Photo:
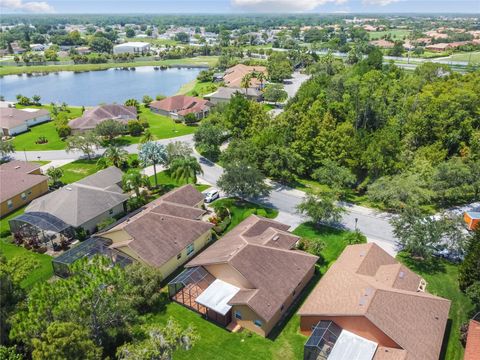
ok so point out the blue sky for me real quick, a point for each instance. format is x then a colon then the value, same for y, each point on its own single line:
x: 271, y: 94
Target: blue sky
x: 239, y: 6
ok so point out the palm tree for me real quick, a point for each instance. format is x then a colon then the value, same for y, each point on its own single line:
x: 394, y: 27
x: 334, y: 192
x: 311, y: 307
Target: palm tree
x: 260, y: 76
x: 115, y: 156
x: 152, y: 153
x: 133, y: 180
x: 246, y: 82
x: 185, y: 169
x: 147, y: 136
x: 55, y: 174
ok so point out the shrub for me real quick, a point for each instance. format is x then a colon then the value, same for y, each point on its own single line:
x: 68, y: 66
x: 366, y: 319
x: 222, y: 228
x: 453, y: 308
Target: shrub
x: 64, y: 131
x: 135, y: 128
x: 105, y: 223
x: 144, y: 123
x: 134, y: 163
x: 261, y: 212
x: 190, y: 119
x: 41, y: 140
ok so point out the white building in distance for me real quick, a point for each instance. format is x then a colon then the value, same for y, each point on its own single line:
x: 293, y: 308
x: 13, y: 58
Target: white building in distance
x: 132, y: 48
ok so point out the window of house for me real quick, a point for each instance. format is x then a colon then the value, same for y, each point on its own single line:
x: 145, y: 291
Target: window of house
x: 29, y: 192
x: 238, y: 315
x: 258, y: 323
x: 190, y: 249
x: 282, y: 307
x: 10, y: 204
x: 179, y: 256
x: 294, y: 292
x: 110, y: 211
x: 24, y: 196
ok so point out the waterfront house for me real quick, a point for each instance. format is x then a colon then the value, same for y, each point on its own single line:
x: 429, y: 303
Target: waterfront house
x: 92, y: 117
x: 178, y: 106
x: 137, y: 48
x: 16, y: 121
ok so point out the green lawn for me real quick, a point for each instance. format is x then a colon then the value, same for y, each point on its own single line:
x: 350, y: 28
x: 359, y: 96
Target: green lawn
x: 168, y: 183
x: 240, y: 210
x: 442, y: 280
x: 196, y: 88
x: 285, y: 343
x: 472, y: 57
x: 77, y: 170
x: 26, y: 141
x: 4, y: 227
x: 42, y: 273
x: 397, y: 34
x: 206, y: 61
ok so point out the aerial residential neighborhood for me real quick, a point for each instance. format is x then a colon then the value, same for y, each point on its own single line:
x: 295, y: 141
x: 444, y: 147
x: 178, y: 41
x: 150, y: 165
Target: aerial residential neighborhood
x: 236, y: 179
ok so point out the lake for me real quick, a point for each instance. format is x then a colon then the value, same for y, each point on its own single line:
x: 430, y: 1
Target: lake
x: 95, y: 87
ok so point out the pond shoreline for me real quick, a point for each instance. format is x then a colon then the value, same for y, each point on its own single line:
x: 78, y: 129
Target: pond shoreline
x: 198, y: 62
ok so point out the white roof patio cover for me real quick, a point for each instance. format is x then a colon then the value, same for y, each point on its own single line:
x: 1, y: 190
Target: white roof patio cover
x: 352, y: 347
x: 217, y: 296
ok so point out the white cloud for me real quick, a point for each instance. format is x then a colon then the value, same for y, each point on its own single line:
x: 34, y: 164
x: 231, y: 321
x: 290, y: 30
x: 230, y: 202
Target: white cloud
x: 379, y: 2
x: 29, y: 6
x: 282, y: 5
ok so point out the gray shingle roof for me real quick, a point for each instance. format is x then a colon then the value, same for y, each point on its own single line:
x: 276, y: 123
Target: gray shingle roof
x: 84, y: 200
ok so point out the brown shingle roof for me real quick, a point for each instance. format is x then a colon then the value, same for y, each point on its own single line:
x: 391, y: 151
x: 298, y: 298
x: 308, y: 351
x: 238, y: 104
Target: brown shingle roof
x: 92, y: 117
x: 12, y: 117
x: 366, y: 281
x: 165, y: 227
x: 185, y: 195
x: 273, y: 271
x: 387, y: 353
x: 14, y: 181
x: 472, y: 349
x: 25, y: 167
x: 181, y: 104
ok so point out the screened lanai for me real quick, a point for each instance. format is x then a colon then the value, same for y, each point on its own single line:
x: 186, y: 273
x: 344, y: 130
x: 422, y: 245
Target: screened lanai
x: 88, y: 248
x: 44, y: 227
x: 188, y: 285
x: 330, y: 341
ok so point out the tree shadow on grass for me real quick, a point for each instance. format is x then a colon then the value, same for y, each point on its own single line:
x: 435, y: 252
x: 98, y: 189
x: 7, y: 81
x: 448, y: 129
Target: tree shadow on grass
x: 430, y: 266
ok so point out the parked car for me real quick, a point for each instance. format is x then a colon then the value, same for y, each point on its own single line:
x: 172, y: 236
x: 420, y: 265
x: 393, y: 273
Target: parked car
x: 212, y: 195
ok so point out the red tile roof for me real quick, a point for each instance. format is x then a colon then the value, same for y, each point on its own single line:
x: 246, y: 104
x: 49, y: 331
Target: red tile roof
x: 472, y: 349
x: 181, y: 104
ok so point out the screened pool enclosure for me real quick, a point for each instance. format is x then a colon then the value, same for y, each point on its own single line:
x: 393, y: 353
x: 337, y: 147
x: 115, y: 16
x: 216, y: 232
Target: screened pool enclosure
x: 88, y: 248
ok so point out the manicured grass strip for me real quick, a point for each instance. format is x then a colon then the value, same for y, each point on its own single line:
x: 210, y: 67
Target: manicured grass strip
x: 27, y: 141
x: 4, y: 227
x: 240, y: 210
x: 168, y: 183
x: 42, y: 273
x: 77, y: 170
x: 206, y: 61
x: 442, y: 280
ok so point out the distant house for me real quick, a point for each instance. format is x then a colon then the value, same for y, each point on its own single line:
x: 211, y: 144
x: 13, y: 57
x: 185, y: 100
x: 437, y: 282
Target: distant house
x: 92, y: 117
x: 178, y: 106
x: 370, y: 306
x: 37, y: 47
x: 472, y: 348
x: 384, y: 44
x: 166, y: 233
x: 21, y: 182
x: 233, y: 76
x: 446, y: 46
x: 15, y: 121
x: 139, y: 48
x: 223, y: 94
x: 249, y: 278
x: 83, y: 50
x: 83, y: 204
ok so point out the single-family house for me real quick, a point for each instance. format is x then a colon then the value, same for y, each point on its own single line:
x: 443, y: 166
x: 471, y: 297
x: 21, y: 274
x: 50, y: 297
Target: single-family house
x: 139, y: 48
x: 249, y: 278
x: 20, y: 183
x: 92, y: 117
x: 223, y: 95
x: 15, y: 121
x: 178, y: 106
x: 165, y: 233
x: 80, y: 205
x: 37, y: 47
x: 370, y: 306
x: 233, y: 76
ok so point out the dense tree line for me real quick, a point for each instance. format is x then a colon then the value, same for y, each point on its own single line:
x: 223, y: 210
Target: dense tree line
x: 404, y: 138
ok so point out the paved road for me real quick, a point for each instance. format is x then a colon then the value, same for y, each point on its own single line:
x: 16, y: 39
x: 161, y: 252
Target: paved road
x: 373, y: 224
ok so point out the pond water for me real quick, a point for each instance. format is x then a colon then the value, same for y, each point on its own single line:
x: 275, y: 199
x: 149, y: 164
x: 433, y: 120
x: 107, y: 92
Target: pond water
x: 95, y: 87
